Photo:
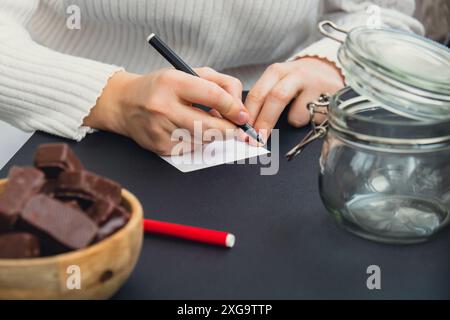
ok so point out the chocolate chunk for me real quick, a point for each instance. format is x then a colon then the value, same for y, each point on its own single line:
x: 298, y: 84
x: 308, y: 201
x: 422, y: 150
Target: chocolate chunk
x: 22, y: 184
x: 101, y: 211
x: 55, y: 158
x: 68, y: 226
x: 48, y: 245
x: 19, y: 245
x: 88, y: 186
x: 117, y: 220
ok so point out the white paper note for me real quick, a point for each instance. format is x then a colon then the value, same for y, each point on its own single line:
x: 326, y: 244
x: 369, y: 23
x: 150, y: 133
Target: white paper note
x: 215, y: 154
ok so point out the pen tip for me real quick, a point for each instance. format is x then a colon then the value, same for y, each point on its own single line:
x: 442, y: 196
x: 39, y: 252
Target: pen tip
x: 259, y: 139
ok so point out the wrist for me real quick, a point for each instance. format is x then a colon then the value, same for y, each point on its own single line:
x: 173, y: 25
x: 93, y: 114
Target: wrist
x: 108, y: 112
x: 330, y: 64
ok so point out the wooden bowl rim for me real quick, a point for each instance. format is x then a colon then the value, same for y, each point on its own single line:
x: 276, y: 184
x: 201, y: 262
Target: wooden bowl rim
x: 136, y: 218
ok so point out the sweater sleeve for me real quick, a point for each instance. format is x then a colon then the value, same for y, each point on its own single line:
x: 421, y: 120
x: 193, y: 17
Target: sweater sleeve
x: 349, y: 14
x: 42, y: 89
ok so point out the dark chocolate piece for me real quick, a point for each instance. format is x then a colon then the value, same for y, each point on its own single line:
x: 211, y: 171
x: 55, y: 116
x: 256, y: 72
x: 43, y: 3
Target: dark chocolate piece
x: 22, y: 184
x: 55, y: 158
x: 19, y: 245
x: 48, y: 245
x: 101, y: 211
x: 68, y: 226
x: 117, y: 220
x: 88, y: 186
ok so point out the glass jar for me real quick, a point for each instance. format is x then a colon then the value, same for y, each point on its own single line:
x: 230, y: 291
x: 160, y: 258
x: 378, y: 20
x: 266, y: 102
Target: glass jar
x: 385, y: 163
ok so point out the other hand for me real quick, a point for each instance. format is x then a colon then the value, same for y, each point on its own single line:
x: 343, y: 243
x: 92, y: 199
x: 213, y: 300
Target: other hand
x: 301, y: 81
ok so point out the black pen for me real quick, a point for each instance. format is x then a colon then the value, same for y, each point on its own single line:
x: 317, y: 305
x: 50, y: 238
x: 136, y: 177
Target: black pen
x: 180, y: 65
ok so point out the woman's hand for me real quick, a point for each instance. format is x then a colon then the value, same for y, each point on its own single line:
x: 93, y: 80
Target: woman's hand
x: 302, y: 80
x: 149, y: 108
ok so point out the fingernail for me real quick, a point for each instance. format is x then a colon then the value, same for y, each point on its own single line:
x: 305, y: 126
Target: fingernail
x: 243, y: 117
x: 264, y: 136
x: 255, y: 143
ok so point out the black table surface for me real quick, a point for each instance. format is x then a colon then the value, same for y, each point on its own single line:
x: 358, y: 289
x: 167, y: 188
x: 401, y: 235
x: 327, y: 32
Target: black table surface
x: 287, y: 245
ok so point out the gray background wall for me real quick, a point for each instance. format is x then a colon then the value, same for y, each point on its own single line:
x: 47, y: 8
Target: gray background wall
x: 435, y: 15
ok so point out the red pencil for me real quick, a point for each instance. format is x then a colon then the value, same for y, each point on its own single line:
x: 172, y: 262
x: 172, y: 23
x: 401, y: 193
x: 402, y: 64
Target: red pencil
x: 213, y: 237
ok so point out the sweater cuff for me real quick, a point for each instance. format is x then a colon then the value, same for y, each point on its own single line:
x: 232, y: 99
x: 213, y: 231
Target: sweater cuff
x: 325, y: 49
x: 41, y: 89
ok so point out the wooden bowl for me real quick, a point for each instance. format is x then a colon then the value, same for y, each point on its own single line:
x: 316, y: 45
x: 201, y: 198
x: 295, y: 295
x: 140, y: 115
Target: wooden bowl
x: 104, y: 267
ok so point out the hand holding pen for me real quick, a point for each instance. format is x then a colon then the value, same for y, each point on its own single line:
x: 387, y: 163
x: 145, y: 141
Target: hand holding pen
x: 148, y: 108
x: 179, y: 64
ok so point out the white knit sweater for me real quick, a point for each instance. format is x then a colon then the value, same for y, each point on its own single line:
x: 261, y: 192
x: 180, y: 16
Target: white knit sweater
x: 51, y: 75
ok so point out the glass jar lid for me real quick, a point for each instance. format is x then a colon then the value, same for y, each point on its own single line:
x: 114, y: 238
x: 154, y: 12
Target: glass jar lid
x: 408, y: 74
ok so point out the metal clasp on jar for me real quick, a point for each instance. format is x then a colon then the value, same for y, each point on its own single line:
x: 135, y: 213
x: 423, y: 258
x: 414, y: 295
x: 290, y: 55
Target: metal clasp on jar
x: 317, y: 131
x: 329, y: 24
x: 320, y: 106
